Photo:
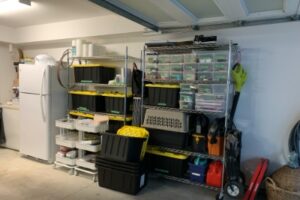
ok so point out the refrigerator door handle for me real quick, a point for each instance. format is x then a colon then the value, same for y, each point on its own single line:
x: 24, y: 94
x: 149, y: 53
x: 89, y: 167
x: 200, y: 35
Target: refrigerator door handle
x: 41, y: 96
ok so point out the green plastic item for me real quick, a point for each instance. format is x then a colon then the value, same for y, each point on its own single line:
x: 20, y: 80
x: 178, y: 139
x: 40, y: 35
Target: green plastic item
x: 239, y: 76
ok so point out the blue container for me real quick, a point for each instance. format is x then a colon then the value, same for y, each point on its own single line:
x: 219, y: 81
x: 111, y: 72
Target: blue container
x: 197, y: 172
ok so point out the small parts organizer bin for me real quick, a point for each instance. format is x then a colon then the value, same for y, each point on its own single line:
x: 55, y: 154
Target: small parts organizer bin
x: 79, y: 140
x: 198, y: 65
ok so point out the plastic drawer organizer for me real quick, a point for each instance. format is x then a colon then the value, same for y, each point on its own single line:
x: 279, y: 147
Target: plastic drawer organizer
x: 79, y: 140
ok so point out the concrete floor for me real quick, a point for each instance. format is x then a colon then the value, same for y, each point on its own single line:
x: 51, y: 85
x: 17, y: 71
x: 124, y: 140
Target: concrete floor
x: 25, y: 179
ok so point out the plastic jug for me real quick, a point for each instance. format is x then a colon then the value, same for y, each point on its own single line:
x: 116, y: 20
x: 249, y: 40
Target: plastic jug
x: 214, y: 174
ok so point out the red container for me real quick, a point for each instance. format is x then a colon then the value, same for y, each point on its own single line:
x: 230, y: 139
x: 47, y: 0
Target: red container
x: 214, y: 174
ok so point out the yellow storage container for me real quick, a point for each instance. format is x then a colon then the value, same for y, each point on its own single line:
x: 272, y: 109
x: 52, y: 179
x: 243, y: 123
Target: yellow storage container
x: 137, y: 132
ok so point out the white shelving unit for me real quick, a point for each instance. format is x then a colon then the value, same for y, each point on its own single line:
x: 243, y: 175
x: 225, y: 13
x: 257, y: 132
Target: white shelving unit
x: 79, y: 130
x: 67, y: 137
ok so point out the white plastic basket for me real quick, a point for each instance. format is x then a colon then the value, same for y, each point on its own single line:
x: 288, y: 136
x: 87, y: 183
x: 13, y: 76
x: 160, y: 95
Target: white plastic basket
x: 65, y: 160
x: 71, y: 143
x: 65, y: 123
x: 85, y: 164
x: 88, y: 125
x: 88, y: 147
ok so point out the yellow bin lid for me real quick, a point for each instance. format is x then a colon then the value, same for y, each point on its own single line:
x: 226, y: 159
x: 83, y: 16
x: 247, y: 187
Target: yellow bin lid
x: 170, y: 86
x: 156, y: 151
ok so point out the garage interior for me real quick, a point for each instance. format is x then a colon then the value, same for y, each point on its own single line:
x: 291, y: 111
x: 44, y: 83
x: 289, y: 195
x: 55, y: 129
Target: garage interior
x: 129, y: 99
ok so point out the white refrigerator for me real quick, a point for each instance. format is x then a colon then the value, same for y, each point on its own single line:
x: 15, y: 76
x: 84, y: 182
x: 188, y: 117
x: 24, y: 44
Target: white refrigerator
x: 42, y: 101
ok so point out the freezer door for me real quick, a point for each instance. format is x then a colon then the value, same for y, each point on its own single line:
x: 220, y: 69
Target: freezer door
x: 34, y: 126
x: 34, y: 79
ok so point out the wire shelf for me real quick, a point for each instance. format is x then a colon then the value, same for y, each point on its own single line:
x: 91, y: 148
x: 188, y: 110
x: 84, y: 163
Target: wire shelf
x: 183, y: 81
x: 98, y: 85
x: 172, y: 47
x: 189, y: 153
x: 91, y: 115
x: 185, y: 111
x: 186, y: 181
x: 106, y: 58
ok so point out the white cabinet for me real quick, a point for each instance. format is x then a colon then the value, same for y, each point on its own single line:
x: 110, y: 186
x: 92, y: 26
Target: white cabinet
x: 11, y: 121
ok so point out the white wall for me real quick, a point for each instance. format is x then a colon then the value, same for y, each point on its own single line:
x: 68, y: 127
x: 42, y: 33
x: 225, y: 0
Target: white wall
x: 7, y: 74
x: 270, y: 103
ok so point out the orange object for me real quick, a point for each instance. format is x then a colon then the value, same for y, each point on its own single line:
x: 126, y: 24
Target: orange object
x: 215, y: 149
x: 214, y: 174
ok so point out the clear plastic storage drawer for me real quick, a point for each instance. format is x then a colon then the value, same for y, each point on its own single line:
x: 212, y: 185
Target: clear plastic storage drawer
x: 204, y: 76
x: 220, y: 67
x: 163, y: 58
x: 151, y: 58
x: 176, y: 58
x: 212, y: 88
x: 190, y: 58
x: 163, y: 67
x: 205, y: 58
x: 189, y: 76
x: 205, y: 67
x: 163, y: 75
x: 187, y: 96
x: 177, y: 76
x: 221, y: 57
x: 176, y: 67
x: 190, y: 67
x: 220, y: 76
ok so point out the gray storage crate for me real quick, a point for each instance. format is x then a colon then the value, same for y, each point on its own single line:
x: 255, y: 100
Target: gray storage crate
x: 166, y: 120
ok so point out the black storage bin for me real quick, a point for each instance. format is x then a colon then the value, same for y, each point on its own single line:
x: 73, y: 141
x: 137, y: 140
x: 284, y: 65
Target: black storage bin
x: 84, y: 102
x: 163, y: 95
x: 121, y: 148
x: 168, y: 138
x: 121, y: 176
x: 114, y: 103
x: 94, y: 74
x: 167, y: 163
x: 115, y: 125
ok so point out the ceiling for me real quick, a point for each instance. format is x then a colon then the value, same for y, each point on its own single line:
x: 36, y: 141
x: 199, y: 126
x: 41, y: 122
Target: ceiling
x: 49, y: 11
x: 160, y: 13
x: 179, y: 13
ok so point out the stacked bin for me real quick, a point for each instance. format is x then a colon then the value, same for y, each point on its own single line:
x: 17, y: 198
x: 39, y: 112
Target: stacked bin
x: 93, y: 73
x: 90, y: 101
x: 166, y: 163
x: 120, y: 163
x: 114, y: 103
x: 163, y: 95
